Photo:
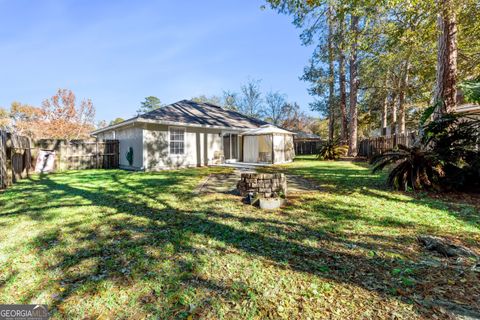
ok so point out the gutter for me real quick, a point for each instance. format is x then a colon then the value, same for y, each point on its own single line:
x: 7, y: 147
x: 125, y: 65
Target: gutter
x: 118, y: 125
x: 168, y: 123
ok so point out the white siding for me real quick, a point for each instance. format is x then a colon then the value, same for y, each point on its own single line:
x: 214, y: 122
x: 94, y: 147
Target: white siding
x: 130, y: 137
x: 156, y: 148
x: 109, y: 135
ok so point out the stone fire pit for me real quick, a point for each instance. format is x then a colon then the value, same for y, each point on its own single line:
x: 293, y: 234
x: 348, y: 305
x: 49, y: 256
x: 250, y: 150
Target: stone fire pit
x: 269, y: 188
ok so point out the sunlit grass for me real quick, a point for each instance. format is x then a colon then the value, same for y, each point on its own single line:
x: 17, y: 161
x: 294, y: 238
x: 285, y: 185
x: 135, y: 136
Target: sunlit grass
x: 117, y: 244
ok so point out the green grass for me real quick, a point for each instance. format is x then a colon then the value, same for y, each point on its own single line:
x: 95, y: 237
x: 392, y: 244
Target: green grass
x: 117, y: 244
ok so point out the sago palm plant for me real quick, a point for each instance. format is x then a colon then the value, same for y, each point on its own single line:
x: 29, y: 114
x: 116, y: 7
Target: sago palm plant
x: 331, y: 151
x: 413, y: 167
x: 446, y: 157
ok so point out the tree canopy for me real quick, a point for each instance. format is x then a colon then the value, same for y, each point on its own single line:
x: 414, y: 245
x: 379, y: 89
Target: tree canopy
x: 391, y: 51
x: 60, y: 117
x: 149, y: 104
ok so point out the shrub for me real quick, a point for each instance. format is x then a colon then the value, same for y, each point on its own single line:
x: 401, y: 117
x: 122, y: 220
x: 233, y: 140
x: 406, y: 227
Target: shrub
x: 446, y: 157
x: 331, y: 151
x: 415, y: 167
x: 129, y: 156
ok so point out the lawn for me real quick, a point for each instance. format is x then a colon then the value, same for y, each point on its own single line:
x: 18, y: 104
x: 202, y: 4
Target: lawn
x: 118, y: 244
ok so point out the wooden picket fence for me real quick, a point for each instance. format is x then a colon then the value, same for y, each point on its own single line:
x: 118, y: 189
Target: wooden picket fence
x: 373, y: 146
x: 18, y: 152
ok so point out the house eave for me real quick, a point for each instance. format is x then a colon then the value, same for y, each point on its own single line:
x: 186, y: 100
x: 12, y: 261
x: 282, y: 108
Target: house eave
x: 168, y: 123
x: 115, y: 126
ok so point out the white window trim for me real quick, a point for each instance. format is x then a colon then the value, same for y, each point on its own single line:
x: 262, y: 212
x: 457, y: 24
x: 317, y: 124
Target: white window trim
x: 184, y: 141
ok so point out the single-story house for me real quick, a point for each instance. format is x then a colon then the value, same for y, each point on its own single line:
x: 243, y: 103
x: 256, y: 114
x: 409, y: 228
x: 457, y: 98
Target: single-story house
x: 188, y: 133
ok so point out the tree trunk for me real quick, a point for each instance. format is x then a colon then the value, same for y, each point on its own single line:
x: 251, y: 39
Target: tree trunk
x: 331, y: 77
x: 445, y: 97
x: 401, y: 99
x: 393, y: 103
x: 384, y: 115
x: 343, y: 92
x: 352, y: 145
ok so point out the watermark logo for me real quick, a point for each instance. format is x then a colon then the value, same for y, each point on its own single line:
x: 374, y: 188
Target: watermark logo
x: 23, y: 312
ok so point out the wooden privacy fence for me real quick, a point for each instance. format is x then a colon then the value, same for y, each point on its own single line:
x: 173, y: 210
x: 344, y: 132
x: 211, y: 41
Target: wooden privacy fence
x: 15, y: 158
x: 373, y: 146
x: 17, y: 155
x: 77, y: 155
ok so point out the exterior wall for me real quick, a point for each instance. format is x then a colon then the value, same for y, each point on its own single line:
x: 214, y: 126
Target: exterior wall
x: 108, y: 135
x: 202, y: 147
x: 128, y: 137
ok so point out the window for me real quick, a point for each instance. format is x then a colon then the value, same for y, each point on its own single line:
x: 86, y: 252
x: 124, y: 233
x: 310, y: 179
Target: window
x: 177, y: 141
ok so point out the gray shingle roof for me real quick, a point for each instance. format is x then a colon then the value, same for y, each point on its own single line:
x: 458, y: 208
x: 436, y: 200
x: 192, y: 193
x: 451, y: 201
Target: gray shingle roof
x: 305, y: 135
x: 197, y: 113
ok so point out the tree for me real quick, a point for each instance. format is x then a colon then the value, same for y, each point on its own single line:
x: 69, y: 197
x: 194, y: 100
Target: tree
x: 319, y: 127
x: 27, y: 120
x: 215, y: 100
x: 275, y: 104
x: 230, y: 100
x: 63, y: 118
x: 445, y: 97
x: 116, y: 121
x: 352, y: 141
x: 471, y: 90
x: 294, y: 119
x: 102, y: 124
x: 394, y: 51
x: 149, y: 104
x: 250, y: 100
x: 331, y: 73
x: 5, y: 121
x: 342, y: 84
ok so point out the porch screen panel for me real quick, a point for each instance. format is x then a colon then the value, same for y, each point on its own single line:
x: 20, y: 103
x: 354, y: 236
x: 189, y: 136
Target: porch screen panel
x: 265, y: 148
x: 279, y: 147
x: 250, y: 149
x: 289, y: 148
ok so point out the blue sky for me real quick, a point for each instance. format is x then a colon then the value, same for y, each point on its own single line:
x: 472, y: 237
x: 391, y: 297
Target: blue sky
x: 118, y: 52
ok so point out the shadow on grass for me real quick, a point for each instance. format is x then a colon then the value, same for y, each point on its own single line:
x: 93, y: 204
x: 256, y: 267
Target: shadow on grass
x: 350, y: 178
x: 121, y: 250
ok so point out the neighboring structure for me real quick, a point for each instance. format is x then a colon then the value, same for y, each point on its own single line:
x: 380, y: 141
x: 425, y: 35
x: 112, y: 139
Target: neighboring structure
x: 468, y: 108
x: 188, y: 133
x: 306, y: 143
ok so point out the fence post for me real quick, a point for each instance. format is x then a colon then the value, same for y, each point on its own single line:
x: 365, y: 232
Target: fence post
x: 96, y: 153
x: 3, y: 160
